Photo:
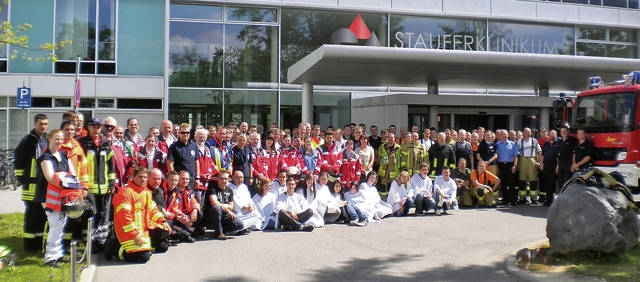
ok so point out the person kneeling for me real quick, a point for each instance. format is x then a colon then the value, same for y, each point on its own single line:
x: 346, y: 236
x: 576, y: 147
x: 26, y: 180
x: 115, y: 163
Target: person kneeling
x: 220, y: 215
x: 293, y: 210
x: 133, y: 211
x: 481, y: 189
x: 446, y: 189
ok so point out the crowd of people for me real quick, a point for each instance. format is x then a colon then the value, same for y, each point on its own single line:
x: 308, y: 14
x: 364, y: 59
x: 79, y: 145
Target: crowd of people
x: 175, y: 183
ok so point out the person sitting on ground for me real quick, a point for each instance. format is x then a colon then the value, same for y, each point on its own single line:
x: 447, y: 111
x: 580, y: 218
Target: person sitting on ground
x: 379, y: 208
x: 265, y: 203
x: 461, y: 175
x: 280, y: 185
x: 357, y: 198
x: 446, y: 189
x: 243, y: 205
x: 219, y: 211
x: 171, y: 208
x: 134, y: 210
x: 400, y: 196
x: 482, y: 181
x: 307, y: 189
x: 349, y: 213
x: 293, y: 210
x: 423, y: 190
x: 326, y: 203
x: 187, y: 204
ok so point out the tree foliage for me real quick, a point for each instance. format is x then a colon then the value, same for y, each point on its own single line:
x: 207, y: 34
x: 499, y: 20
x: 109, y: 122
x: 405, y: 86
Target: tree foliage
x: 16, y: 36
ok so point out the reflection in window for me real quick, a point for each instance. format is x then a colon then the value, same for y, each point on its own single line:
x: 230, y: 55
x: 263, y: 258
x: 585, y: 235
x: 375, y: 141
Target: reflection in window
x: 622, y: 35
x: 329, y: 108
x: 604, y: 42
x: 90, y: 34
x: 253, y: 107
x: 195, y: 106
x: 252, y: 14
x: 591, y: 49
x: 531, y: 38
x: 19, y: 121
x: 195, y: 54
x: 438, y: 33
x: 615, y: 3
x: 605, y: 113
x: 304, y: 31
x: 592, y: 33
x: 251, y: 57
x: 199, y: 12
x: 3, y: 47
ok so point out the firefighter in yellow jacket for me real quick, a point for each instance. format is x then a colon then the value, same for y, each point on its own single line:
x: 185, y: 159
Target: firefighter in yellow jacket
x: 411, y: 154
x: 135, y: 214
x: 387, y: 156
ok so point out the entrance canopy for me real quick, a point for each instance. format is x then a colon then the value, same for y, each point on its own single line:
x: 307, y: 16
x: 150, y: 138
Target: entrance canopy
x: 408, y: 67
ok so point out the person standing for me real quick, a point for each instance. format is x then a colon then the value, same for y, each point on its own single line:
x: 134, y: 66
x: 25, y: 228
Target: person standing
x: 375, y: 141
x: 549, y: 168
x: 102, y: 177
x: 507, y: 152
x: 462, y: 148
x: 183, y: 155
x: 242, y: 159
x: 441, y: 155
x: 411, y: 154
x: 388, y: 158
x: 566, y: 145
x: 131, y: 135
x: 529, y: 161
x: 487, y: 152
x: 583, y: 153
x: 25, y: 168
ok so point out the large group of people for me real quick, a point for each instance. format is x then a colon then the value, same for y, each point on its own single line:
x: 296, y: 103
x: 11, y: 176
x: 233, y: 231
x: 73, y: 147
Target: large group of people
x: 178, y: 183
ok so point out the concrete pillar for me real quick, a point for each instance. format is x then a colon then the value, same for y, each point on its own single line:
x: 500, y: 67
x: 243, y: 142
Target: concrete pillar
x: 307, y: 102
x: 490, y: 123
x: 432, y: 88
x: 512, y: 122
x: 544, y: 118
x: 452, y: 121
x: 543, y: 91
x: 433, y: 116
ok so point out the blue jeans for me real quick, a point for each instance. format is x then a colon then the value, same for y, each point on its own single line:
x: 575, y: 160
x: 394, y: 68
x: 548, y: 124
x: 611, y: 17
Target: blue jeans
x: 405, y: 208
x: 355, y: 213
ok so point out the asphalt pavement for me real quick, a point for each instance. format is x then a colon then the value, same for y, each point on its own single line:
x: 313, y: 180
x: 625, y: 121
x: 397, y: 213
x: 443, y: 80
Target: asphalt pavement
x: 10, y: 201
x: 468, y: 245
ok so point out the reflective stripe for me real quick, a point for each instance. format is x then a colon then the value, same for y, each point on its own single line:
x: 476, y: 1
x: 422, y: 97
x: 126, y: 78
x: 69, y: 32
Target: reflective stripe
x: 33, y: 168
x: 18, y: 172
x: 128, y: 228
x: 67, y: 236
x: 29, y: 193
x: 28, y: 235
x: 123, y: 206
x: 53, y: 193
x: 156, y: 216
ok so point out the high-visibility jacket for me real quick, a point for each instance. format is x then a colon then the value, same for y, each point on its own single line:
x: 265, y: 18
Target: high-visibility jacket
x: 271, y: 162
x: 388, y: 158
x: 439, y: 157
x: 331, y: 158
x: 221, y: 159
x: 133, y: 210
x: 185, y: 202
x: 25, y: 166
x: 410, y: 156
x: 289, y: 157
x: 101, y: 170
x: 316, y: 142
x: 76, y: 155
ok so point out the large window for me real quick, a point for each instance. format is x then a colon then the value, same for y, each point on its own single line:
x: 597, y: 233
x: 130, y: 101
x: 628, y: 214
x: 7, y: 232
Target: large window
x: 214, y: 46
x: 91, y: 27
x: 531, y: 38
x: 632, y: 4
x: 605, y: 42
x: 304, y: 31
x: 438, y: 33
x: 4, y: 16
x: 605, y: 112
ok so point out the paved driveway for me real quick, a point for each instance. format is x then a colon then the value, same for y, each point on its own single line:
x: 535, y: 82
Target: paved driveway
x: 469, y: 245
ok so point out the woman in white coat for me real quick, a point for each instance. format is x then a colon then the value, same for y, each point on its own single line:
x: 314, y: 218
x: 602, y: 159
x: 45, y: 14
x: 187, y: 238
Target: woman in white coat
x: 400, y: 196
x: 265, y: 203
x: 324, y: 198
x: 356, y: 198
x: 380, y: 208
x: 307, y: 190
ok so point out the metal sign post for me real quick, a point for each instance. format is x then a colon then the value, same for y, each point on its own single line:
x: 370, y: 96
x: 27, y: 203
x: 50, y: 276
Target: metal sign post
x: 76, y: 99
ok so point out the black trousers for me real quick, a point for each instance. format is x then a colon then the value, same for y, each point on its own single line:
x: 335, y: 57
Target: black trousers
x: 549, y: 178
x: 507, y: 185
x: 221, y: 221
x: 564, y: 173
x: 137, y: 257
x: 34, y: 220
x: 287, y: 222
x: 159, y: 240
x: 423, y: 204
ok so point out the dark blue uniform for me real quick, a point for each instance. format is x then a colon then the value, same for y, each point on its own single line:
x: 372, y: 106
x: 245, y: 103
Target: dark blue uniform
x: 184, y: 157
x: 550, y: 152
x: 565, y: 158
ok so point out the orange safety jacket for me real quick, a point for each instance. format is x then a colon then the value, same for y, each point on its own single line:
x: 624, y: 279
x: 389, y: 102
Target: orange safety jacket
x: 76, y: 155
x: 133, y: 210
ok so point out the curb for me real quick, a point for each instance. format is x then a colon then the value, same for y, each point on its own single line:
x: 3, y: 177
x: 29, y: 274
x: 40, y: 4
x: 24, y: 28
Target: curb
x: 89, y: 272
x: 520, y: 274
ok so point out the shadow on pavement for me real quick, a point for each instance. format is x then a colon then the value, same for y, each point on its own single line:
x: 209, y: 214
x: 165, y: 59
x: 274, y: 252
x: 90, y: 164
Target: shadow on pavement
x: 231, y: 279
x: 539, y: 212
x: 374, y: 270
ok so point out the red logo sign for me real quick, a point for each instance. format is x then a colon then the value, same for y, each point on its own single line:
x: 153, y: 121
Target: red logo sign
x: 359, y: 28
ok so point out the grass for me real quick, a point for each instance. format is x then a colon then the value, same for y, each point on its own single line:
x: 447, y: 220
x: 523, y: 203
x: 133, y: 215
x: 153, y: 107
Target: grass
x: 28, y: 266
x: 623, y: 267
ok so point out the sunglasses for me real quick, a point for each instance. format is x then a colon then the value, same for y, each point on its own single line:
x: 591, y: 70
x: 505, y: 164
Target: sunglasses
x: 107, y: 126
x: 185, y: 132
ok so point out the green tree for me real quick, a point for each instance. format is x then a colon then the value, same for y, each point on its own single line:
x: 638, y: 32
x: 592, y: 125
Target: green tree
x: 16, y: 36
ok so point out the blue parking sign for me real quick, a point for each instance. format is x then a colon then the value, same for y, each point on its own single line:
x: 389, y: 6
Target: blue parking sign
x: 24, y: 97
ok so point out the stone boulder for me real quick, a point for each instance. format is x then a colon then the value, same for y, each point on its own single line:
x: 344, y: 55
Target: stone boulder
x: 589, y: 218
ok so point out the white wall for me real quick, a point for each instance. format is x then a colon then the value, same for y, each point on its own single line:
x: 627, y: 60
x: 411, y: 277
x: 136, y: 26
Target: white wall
x: 381, y: 116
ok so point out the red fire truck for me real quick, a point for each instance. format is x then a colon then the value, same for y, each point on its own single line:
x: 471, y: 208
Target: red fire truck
x: 610, y: 116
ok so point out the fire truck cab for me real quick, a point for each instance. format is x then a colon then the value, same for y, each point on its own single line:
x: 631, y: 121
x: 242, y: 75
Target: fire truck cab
x: 610, y: 117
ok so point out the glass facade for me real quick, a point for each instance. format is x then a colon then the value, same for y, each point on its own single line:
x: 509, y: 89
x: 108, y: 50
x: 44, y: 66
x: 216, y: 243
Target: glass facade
x: 438, y: 33
x: 140, y: 40
x: 631, y: 4
x: 4, y: 16
x: 606, y: 42
x: 531, y: 38
x: 91, y: 27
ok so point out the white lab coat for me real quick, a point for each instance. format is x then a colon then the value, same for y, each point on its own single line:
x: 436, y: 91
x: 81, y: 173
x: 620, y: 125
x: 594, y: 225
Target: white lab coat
x: 359, y: 200
x: 265, y: 205
x: 295, y: 203
x: 380, y: 208
x: 324, y: 197
x: 317, y: 205
x: 397, y: 193
x: 448, y: 188
x: 422, y: 186
x: 242, y: 198
x: 277, y: 189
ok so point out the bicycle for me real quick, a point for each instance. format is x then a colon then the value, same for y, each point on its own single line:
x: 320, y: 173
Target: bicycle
x: 8, y: 179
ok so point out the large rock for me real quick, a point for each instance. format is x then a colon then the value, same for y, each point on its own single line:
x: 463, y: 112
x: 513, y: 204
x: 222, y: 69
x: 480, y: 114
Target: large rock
x: 589, y: 218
